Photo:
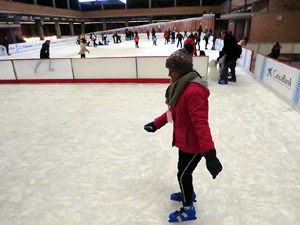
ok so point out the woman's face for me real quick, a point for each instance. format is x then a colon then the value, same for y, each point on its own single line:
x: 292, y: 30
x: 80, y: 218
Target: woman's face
x: 174, y: 74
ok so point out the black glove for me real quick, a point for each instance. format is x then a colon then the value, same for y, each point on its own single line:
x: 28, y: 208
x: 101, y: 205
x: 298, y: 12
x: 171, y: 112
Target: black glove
x: 150, y: 127
x: 212, y: 163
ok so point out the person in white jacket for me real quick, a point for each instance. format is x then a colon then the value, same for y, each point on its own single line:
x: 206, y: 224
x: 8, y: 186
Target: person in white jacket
x: 83, y: 48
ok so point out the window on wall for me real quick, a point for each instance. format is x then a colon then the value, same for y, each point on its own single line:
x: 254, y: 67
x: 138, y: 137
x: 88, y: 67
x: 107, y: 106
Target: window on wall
x: 74, y: 4
x: 44, y: 2
x: 162, y: 3
x: 136, y: 4
x: 61, y: 4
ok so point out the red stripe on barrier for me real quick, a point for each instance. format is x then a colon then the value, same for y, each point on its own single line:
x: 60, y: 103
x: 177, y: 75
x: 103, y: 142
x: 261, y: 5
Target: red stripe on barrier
x: 54, y: 81
x: 45, y: 81
x: 8, y: 81
x: 122, y: 80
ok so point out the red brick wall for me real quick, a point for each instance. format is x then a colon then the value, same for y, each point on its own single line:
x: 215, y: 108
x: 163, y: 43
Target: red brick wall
x: 265, y: 27
x: 258, y: 6
x: 239, y: 29
x: 280, y: 5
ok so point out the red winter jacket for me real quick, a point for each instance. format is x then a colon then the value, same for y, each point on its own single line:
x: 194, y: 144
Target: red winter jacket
x: 191, y: 132
x: 191, y: 40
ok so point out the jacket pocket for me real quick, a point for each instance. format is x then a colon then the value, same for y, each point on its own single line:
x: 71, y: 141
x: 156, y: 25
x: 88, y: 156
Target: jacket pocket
x: 187, y: 138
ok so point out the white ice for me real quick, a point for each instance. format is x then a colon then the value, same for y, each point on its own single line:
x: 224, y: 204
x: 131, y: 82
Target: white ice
x: 77, y: 154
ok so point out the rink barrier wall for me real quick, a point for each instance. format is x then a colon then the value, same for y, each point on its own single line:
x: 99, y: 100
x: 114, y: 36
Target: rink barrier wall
x: 92, y: 70
x: 282, y: 79
x: 246, y: 59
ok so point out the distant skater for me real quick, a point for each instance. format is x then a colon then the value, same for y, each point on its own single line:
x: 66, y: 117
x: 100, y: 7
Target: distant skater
x: 154, y: 40
x: 6, y: 45
x: 44, y: 54
x: 83, y: 49
x: 136, y: 40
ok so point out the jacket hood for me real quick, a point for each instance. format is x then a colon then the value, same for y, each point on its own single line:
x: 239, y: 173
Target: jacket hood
x: 199, y: 80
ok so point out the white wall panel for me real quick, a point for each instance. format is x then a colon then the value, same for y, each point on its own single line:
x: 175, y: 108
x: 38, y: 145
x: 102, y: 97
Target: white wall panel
x: 245, y: 59
x: 253, y: 47
x: 265, y: 48
x: 6, y: 71
x: 43, y: 69
x: 286, y: 48
x: 109, y: 68
x: 296, y: 48
x: 152, y: 67
x: 201, y: 65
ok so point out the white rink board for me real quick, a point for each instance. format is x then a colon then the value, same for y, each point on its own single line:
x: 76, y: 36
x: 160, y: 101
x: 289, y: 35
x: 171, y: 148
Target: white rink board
x: 155, y: 67
x: 258, y: 66
x: 6, y: 71
x: 152, y: 67
x: 245, y: 59
x: 279, y: 77
x: 109, y: 68
x: 43, y: 69
x: 201, y: 65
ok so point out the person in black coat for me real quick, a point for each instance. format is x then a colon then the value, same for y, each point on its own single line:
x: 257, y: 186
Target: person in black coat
x: 6, y: 45
x: 229, y: 51
x: 275, y: 52
x: 179, y: 37
x: 44, y: 54
x: 153, y: 33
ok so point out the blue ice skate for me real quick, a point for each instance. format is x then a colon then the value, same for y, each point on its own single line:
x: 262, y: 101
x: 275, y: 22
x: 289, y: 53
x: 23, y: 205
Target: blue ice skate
x: 186, y: 213
x: 221, y: 81
x: 178, y: 197
x: 232, y: 80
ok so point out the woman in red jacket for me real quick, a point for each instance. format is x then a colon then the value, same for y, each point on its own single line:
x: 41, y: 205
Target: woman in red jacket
x: 187, y: 98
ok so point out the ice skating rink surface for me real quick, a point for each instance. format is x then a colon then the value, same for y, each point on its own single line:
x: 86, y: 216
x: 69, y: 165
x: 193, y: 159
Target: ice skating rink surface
x: 77, y: 154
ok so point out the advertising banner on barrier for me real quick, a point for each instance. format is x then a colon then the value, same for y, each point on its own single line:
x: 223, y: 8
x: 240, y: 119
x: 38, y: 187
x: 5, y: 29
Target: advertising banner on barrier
x: 282, y: 78
x: 13, y: 48
x: 2, y: 50
x: 24, y: 47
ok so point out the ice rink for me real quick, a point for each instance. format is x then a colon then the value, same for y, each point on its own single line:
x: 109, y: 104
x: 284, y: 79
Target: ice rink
x: 77, y: 154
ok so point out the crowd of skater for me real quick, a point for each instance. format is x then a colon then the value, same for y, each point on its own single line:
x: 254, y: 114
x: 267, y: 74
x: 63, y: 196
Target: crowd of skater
x: 226, y: 61
x: 170, y: 37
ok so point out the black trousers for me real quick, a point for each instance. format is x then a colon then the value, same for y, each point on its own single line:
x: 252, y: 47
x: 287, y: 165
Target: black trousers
x: 224, y: 71
x: 179, y: 42
x: 186, y: 165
